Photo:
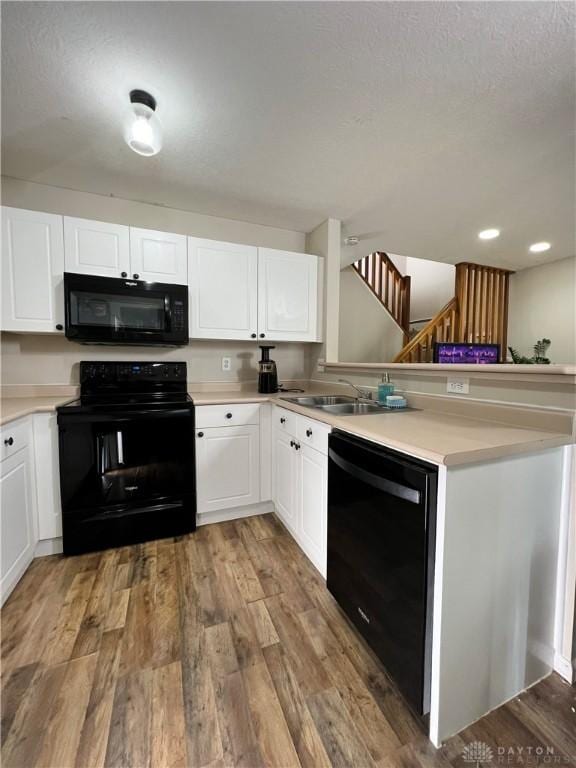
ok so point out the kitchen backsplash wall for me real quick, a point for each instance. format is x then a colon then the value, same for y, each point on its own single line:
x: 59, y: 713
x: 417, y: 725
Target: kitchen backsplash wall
x: 44, y: 359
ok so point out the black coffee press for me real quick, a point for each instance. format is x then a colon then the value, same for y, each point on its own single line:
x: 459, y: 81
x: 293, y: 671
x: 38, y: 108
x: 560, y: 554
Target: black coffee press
x: 267, y: 373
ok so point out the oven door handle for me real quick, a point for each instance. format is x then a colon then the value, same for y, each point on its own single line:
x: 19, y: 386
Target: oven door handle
x: 388, y: 486
x: 124, y: 416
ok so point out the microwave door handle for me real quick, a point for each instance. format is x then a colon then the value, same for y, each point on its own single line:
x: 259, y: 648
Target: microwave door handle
x: 388, y: 486
x: 168, y: 313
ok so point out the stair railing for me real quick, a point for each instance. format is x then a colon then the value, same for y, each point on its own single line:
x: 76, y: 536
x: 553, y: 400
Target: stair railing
x: 442, y: 327
x: 389, y: 285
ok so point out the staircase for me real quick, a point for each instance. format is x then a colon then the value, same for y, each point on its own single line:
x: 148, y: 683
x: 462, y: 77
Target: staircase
x: 389, y: 286
x: 478, y: 313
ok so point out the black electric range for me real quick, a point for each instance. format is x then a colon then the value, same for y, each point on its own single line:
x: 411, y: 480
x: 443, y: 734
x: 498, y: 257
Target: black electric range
x: 127, y: 465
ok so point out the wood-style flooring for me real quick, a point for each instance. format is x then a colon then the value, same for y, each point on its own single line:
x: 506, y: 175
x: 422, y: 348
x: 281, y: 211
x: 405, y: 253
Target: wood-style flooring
x: 222, y: 648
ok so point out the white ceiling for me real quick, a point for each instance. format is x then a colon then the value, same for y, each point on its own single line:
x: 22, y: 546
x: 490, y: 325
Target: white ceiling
x: 423, y: 122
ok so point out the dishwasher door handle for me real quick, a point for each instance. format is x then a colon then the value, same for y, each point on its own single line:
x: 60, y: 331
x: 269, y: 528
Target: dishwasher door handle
x: 388, y: 486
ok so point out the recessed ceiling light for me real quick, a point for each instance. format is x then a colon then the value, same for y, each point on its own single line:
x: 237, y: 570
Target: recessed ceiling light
x: 540, y: 247
x: 142, y: 130
x: 489, y: 234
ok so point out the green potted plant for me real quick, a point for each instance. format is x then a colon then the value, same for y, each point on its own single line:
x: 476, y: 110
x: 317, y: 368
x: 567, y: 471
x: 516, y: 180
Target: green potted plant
x: 538, y: 358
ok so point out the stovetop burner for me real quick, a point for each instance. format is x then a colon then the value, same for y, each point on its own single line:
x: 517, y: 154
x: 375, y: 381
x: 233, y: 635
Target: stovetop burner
x: 112, y: 386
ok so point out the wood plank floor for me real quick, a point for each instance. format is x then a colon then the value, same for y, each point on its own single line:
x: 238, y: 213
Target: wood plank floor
x: 222, y: 648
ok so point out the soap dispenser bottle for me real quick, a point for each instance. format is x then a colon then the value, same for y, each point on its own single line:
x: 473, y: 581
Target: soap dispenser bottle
x: 385, y: 388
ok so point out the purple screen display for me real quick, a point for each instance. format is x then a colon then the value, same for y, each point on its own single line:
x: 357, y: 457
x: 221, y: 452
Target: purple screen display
x: 479, y: 354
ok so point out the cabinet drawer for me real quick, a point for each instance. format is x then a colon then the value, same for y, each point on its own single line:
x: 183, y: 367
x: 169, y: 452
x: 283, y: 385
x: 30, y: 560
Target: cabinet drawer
x: 313, y: 433
x: 285, y: 420
x: 231, y: 415
x: 13, y: 437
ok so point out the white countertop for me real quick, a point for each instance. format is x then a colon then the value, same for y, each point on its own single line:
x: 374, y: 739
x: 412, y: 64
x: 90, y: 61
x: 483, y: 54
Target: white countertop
x: 435, y: 436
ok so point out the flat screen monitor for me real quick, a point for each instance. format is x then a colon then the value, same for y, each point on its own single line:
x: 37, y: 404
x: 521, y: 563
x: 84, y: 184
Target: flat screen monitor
x: 474, y: 354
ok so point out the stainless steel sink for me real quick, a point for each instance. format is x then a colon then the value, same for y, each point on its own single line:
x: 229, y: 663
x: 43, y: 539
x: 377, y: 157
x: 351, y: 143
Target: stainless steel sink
x: 354, y: 409
x: 341, y: 405
x: 320, y: 401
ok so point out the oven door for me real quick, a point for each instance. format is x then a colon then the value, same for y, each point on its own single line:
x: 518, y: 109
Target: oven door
x: 126, y: 477
x: 112, y: 310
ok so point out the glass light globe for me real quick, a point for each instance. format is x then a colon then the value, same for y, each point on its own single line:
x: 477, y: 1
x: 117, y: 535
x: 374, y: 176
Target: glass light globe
x: 142, y: 130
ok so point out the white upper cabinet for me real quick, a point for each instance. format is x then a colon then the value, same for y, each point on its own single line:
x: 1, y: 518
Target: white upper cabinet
x: 223, y: 279
x: 32, y: 271
x: 96, y: 248
x: 159, y: 257
x: 287, y: 296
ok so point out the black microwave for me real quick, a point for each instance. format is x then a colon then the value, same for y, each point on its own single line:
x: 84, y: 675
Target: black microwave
x: 111, y: 310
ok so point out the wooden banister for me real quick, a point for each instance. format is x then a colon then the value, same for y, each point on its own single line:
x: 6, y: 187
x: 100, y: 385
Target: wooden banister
x: 478, y: 313
x: 389, y: 285
x: 482, y: 294
x: 442, y: 327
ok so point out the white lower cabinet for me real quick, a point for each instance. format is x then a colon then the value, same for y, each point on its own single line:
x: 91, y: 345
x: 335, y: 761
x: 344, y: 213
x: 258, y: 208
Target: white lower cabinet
x: 286, y: 467
x: 300, y: 484
x: 17, y: 515
x: 312, y: 505
x: 227, y: 467
x: 47, y: 475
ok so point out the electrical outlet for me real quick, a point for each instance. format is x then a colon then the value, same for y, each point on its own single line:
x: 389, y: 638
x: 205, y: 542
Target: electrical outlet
x: 458, y: 386
x: 226, y: 364
x: 320, y: 366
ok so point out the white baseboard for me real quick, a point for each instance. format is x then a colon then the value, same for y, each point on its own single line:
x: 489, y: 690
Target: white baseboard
x: 48, y: 547
x: 564, y: 667
x: 236, y: 513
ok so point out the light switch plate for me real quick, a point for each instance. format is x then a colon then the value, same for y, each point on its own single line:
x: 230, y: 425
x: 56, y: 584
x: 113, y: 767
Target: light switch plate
x: 458, y: 385
x: 226, y: 364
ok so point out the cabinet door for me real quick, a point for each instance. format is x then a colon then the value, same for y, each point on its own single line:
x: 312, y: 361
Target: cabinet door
x: 287, y: 296
x: 285, y: 480
x: 96, y: 248
x: 223, y: 279
x: 47, y: 475
x: 159, y: 257
x: 227, y: 463
x: 32, y: 271
x: 16, y: 521
x: 312, y: 506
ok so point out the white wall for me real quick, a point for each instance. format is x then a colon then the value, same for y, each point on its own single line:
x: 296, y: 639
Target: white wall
x: 367, y: 332
x: 543, y: 304
x: 30, y: 359
x: 432, y: 284
x: 41, y: 197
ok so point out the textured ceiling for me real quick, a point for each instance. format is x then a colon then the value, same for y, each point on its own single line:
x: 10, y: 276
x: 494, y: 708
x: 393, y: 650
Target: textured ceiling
x: 423, y: 122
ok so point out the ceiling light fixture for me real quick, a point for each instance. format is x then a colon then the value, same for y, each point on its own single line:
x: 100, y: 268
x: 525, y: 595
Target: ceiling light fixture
x: 540, y: 247
x: 489, y: 234
x: 142, y: 130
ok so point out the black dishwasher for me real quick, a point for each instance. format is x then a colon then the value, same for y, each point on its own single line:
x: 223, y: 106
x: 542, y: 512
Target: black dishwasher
x: 381, y: 538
